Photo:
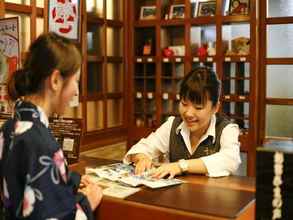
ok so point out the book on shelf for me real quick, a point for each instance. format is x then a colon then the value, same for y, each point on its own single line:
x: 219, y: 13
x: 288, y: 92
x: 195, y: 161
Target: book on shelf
x: 124, y: 174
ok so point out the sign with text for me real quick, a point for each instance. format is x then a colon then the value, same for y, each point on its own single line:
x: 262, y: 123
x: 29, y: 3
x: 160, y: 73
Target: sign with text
x: 67, y: 132
x: 9, y: 56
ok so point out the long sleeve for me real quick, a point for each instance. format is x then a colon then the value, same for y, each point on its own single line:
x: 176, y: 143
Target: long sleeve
x: 36, y: 181
x: 155, y: 144
x: 227, y: 160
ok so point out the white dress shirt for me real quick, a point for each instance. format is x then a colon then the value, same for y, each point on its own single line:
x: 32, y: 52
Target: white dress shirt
x: 222, y: 163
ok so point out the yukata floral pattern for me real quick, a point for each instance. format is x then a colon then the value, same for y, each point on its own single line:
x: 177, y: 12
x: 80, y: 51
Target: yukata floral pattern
x: 35, y: 182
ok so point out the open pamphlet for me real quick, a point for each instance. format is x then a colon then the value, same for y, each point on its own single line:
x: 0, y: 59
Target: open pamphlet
x: 124, y: 174
x: 113, y: 189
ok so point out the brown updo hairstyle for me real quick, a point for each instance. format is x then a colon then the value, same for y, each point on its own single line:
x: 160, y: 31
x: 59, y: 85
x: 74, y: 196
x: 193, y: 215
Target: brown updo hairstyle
x: 47, y: 53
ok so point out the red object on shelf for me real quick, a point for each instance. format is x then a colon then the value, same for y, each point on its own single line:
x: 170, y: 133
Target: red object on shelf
x: 167, y: 52
x: 202, y: 52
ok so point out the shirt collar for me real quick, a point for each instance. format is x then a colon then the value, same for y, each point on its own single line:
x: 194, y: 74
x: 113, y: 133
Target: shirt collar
x: 43, y: 116
x: 211, y: 131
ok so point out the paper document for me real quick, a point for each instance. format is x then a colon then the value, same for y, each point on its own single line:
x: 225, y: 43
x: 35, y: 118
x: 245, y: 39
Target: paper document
x: 124, y: 173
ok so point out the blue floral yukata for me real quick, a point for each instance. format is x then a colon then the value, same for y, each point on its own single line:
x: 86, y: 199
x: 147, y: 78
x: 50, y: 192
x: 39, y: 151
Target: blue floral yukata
x: 35, y: 182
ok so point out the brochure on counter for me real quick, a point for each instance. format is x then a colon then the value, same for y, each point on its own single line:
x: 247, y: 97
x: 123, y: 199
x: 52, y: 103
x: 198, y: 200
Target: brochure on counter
x: 124, y: 174
x: 113, y: 189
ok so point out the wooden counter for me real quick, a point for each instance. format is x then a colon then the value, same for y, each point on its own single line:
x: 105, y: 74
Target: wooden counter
x: 199, y: 198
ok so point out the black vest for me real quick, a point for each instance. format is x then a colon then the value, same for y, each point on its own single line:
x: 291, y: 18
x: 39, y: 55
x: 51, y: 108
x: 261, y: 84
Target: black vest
x: 178, y: 149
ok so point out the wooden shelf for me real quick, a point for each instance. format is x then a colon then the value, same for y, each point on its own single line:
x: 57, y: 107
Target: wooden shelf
x: 93, y: 58
x: 114, y: 23
x: 207, y: 20
x: 208, y: 59
x: 94, y: 19
x: 172, y: 22
x: 175, y: 59
x: 145, y: 59
x: 236, y: 19
x: 237, y: 58
x: 145, y: 23
x: 236, y: 78
x: 115, y: 59
x: 236, y: 98
x: 114, y: 95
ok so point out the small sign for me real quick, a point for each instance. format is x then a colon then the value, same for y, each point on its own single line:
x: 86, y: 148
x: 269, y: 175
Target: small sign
x: 210, y: 59
x: 139, y: 95
x: 67, y: 132
x: 139, y: 60
x: 165, y: 95
x: 150, y: 60
x: 228, y: 59
x: 195, y: 59
x: 68, y: 144
x: 227, y: 97
x: 242, y: 59
x: 178, y: 60
x: 150, y: 95
x: 165, y: 60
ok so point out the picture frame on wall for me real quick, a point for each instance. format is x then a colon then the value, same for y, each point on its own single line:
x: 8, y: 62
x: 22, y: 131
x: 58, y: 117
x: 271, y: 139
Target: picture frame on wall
x: 9, y: 47
x: 206, y: 8
x: 9, y: 57
x: 177, y: 11
x: 239, y: 7
x: 148, y: 12
x: 64, y: 18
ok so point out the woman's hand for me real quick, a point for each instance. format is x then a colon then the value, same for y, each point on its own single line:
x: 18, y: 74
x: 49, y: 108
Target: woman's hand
x: 168, y: 169
x: 85, y: 181
x: 93, y: 193
x: 142, y: 163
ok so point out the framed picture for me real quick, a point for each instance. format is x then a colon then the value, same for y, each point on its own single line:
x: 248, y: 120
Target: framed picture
x: 9, y: 47
x: 207, y: 8
x: 177, y: 11
x: 148, y: 12
x: 64, y: 18
x: 239, y: 7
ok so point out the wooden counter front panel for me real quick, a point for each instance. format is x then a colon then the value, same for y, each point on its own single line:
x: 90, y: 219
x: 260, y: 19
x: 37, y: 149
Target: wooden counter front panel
x: 197, y: 199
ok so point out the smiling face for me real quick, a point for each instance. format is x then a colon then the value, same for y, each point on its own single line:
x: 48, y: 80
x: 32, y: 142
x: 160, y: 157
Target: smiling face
x: 197, y: 117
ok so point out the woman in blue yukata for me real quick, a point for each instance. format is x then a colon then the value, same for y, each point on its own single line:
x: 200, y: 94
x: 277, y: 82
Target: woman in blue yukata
x: 35, y: 181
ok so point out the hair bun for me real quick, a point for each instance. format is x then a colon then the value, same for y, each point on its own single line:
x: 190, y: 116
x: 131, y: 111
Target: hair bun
x: 19, y: 84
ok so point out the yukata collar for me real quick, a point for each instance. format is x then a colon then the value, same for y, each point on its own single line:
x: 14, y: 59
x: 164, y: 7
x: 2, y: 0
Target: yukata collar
x: 27, y: 111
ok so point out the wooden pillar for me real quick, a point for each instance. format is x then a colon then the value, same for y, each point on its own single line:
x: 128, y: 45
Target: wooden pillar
x: 33, y: 20
x: 2, y: 9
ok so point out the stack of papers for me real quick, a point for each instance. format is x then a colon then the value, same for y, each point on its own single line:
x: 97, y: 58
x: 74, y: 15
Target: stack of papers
x: 124, y: 174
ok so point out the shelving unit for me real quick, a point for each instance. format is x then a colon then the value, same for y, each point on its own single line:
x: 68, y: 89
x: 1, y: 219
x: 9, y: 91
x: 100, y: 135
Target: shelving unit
x: 235, y: 65
x: 104, y: 79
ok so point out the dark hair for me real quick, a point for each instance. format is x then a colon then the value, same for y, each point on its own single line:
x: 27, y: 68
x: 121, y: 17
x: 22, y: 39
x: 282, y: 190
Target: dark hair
x: 47, y: 53
x: 199, y: 85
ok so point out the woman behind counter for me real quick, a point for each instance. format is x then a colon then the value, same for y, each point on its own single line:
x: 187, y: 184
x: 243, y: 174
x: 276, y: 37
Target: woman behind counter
x: 199, y: 141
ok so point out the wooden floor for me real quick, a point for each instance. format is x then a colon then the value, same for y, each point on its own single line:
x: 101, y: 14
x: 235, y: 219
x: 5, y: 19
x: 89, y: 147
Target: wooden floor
x: 114, y: 152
